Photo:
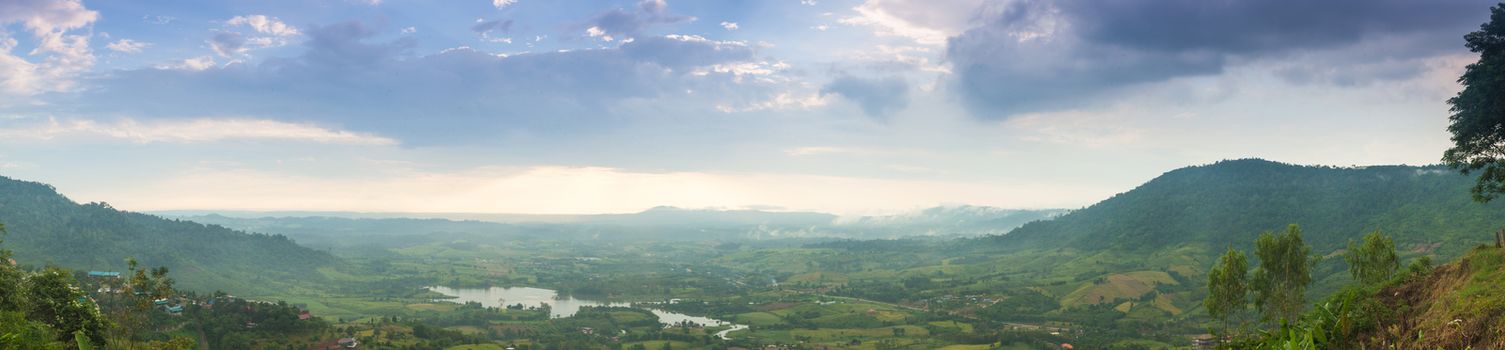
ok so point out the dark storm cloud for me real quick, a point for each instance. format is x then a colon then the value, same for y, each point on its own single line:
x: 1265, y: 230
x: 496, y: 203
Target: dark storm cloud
x: 877, y: 97
x: 1254, y: 26
x: 1098, y: 48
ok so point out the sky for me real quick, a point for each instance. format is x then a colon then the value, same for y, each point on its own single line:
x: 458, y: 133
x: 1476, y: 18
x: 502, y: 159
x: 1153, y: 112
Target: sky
x: 848, y: 107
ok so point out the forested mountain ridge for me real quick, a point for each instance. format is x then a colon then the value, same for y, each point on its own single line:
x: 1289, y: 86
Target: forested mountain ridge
x: 45, y: 228
x: 1426, y: 209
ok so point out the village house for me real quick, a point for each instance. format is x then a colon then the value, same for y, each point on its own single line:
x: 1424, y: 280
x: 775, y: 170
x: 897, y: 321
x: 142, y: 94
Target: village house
x: 104, y: 274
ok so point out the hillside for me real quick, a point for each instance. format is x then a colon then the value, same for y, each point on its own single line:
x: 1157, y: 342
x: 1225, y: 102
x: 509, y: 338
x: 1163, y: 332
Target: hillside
x: 1456, y: 306
x: 45, y: 228
x: 1427, y: 210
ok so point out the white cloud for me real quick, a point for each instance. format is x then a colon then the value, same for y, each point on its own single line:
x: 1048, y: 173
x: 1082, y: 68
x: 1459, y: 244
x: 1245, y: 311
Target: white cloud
x: 928, y: 22
x: 189, y: 131
x: 409, y: 30
x: 729, y: 25
x: 192, y: 64
x: 265, y: 25
x: 127, y: 46
x: 62, y: 56
x: 596, y: 32
x: 500, y: 4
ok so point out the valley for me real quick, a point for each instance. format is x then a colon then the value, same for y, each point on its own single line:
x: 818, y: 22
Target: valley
x: 1085, y: 277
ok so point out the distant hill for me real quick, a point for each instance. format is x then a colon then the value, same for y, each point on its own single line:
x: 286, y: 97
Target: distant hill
x: 1427, y: 209
x: 965, y: 220
x: 44, y: 227
x: 335, y: 229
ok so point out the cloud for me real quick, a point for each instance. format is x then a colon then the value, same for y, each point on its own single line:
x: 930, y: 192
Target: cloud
x: 264, y: 25
x: 62, y: 56
x: 552, y: 189
x: 191, y: 64
x: 189, y: 131
x: 927, y: 22
x: 729, y: 25
x: 877, y: 97
x: 500, y: 25
x: 501, y: 4
x: 682, y: 51
x: 158, y: 20
x: 228, y: 44
x: 344, y: 77
x: 127, y: 46
x: 42, y: 16
x: 1032, y: 55
x: 623, y: 23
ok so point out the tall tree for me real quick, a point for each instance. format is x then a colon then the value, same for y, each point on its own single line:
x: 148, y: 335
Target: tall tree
x: 1478, y: 112
x: 1374, y: 260
x: 10, y: 280
x: 1284, y: 272
x: 1228, y: 288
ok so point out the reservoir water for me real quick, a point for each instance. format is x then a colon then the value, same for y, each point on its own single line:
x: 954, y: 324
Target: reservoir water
x: 563, y: 306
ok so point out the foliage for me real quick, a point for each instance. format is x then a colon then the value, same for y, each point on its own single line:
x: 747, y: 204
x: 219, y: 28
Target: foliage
x: 1478, y: 113
x: 1227, y: 285
x: 56, y: 302
x: 1420, y: 266
x: 43, y: 310
x: 1283, y: 274
x: 1374, y: 261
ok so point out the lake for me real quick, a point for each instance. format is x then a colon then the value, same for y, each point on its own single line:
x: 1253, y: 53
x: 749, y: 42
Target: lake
x: 563, y: 307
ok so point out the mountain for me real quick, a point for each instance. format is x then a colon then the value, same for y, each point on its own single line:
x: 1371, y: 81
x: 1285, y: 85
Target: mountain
x: 44, y: 227
x: 1427, y: 209
x: 964, y: 220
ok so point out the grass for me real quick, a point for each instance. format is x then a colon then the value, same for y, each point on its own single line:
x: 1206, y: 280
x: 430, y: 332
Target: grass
x: 758, y: 319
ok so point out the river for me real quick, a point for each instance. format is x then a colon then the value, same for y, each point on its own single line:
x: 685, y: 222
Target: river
x: 564, y: 307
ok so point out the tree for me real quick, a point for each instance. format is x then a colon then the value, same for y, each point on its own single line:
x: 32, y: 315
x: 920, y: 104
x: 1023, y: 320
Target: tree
x: 1283, y: 274
x: 1478, y: 111
x: 1228, y: 287
x: 1374, y: 261
x: 10, y: 280
x: 56, y: 302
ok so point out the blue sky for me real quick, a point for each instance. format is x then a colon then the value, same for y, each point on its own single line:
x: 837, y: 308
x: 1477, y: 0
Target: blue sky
x: 858, y: 106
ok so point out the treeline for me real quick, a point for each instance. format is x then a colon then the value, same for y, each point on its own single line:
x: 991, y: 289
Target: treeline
x: 1265, y: 307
